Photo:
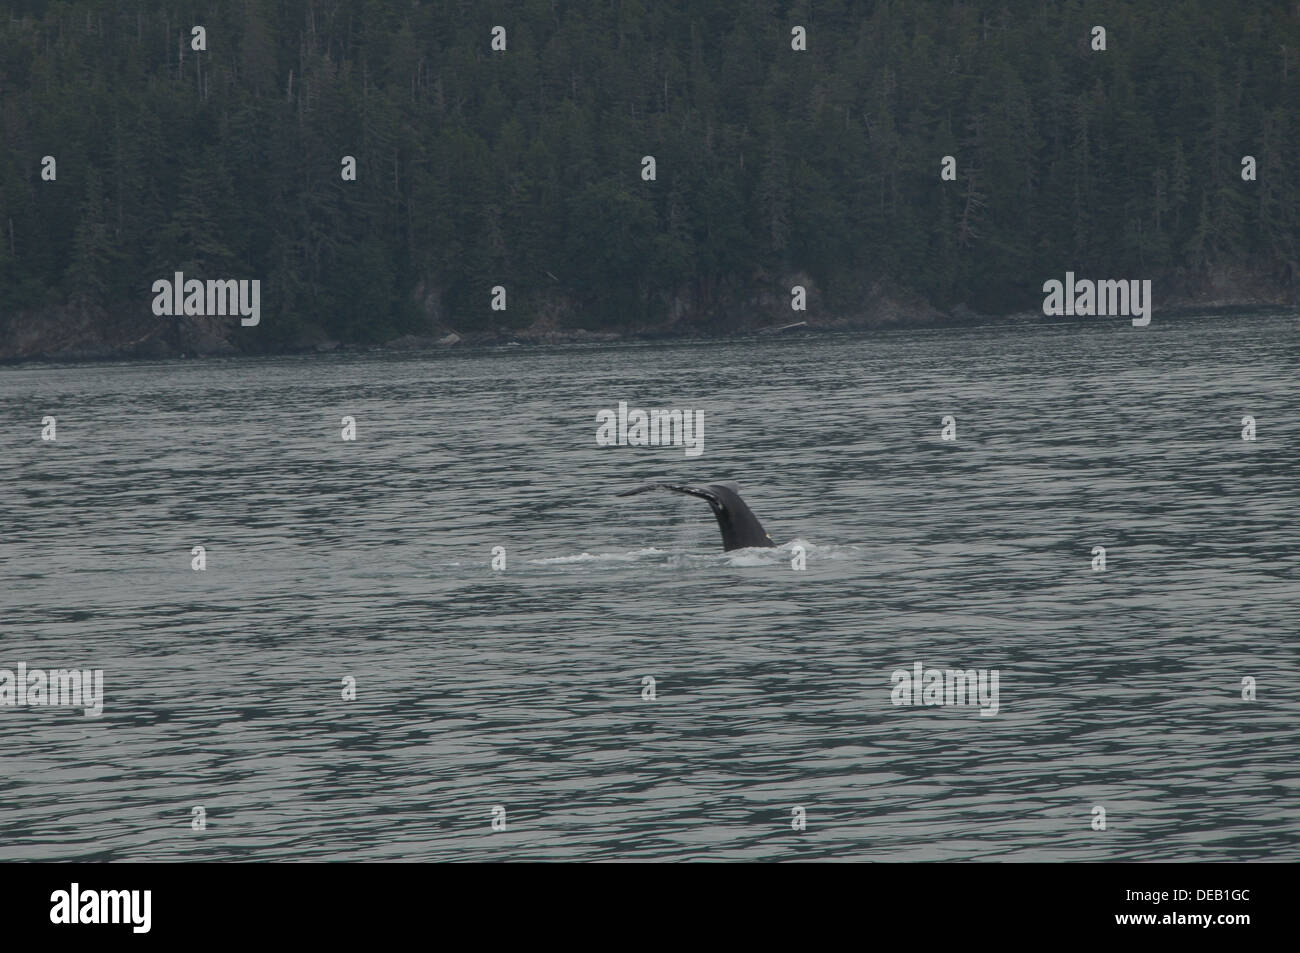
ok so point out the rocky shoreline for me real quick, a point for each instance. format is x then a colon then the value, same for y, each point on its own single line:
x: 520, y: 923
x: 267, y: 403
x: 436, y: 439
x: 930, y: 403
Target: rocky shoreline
x: 72, y: 333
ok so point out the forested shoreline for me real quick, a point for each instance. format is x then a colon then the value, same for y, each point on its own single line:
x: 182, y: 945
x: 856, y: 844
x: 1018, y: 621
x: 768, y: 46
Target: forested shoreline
x: 523, y: 169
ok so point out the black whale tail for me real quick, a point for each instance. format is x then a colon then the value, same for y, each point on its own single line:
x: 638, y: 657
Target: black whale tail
x: 740, y: 527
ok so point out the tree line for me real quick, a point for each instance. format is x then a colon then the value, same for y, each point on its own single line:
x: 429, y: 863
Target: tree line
x: 477, y: 168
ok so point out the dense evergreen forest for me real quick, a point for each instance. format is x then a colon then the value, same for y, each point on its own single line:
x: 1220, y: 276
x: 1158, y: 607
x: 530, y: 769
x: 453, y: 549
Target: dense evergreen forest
x: 523, y: 168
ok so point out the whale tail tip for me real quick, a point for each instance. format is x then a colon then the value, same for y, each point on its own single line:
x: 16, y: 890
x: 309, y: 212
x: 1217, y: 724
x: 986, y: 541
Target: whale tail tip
x: 740, y: 527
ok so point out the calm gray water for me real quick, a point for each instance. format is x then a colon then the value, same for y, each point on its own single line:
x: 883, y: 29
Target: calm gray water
x: 523, y: 688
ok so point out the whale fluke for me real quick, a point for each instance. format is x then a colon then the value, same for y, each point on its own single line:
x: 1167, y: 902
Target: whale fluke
x: 740, y: 527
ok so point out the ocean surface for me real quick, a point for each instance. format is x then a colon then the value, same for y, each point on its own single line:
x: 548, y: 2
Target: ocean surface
x: 525, y: 689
